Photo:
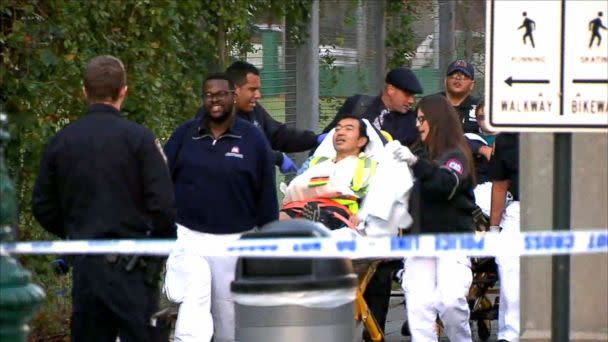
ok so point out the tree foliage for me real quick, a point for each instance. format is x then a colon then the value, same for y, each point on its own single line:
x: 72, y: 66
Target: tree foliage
x: 167, y: 46
x: 400, y: 43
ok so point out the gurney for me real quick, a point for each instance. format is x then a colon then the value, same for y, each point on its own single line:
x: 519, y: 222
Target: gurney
x: 382, y: 212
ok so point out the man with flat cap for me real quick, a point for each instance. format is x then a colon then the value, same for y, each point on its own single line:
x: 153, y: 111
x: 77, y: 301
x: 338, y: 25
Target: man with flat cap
x: 391, y: 111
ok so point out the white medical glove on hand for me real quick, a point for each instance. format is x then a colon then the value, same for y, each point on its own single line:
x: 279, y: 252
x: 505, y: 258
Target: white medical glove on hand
x: 404, y: 154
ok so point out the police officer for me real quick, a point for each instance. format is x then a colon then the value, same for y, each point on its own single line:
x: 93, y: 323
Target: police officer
x: 103, y: 177
x: 504, y: 217
x: 459, y: 84
x: 391, y: 110
x: 282, y: 138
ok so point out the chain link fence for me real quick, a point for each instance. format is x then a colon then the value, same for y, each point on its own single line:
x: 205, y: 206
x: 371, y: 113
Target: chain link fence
x: 348, y: 30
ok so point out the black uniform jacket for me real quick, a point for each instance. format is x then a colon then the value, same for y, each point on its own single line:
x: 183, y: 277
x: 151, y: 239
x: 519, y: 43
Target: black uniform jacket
x: 401, y: 126
x: 466, y: 112
x: 504, y: 164
x: 103, y: 176
x: 281, y: 137
x: 445, y: 194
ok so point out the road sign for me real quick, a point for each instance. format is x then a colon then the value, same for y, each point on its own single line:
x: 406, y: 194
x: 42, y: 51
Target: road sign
x: 547, y: 63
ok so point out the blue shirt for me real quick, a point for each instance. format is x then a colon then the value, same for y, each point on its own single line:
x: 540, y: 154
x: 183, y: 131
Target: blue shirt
x: 224, y: 185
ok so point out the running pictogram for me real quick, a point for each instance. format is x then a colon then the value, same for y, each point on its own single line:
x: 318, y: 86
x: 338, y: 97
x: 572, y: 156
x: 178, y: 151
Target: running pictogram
x: 530, y: 26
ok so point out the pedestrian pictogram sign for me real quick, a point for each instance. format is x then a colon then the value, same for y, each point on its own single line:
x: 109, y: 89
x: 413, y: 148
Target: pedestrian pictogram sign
x: 547, y: 65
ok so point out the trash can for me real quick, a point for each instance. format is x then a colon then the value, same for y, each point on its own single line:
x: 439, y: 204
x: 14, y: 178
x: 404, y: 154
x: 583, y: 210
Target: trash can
x: 296, y: 300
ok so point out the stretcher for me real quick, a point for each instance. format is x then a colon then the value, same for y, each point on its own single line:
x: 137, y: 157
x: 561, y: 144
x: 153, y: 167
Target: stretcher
x: 483, y: 309
x: 335, y: 217
x: 365, y: 269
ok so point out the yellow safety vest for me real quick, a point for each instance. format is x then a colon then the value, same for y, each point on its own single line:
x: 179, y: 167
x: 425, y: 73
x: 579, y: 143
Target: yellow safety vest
x: 364, y: 169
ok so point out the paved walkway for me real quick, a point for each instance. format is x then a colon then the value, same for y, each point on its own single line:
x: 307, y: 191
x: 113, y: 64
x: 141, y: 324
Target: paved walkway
x: 396, y: 316
x: 394, y: 320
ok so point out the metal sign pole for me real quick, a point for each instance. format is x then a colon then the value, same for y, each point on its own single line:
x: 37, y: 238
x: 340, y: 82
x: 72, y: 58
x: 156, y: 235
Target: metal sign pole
x: 560, y: 295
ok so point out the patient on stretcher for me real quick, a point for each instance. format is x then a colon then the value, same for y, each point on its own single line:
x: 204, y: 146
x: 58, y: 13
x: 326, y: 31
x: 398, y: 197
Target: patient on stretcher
x: 333, y: 182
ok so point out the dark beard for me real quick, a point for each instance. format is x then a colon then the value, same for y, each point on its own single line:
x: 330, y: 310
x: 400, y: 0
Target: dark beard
x: 221, y: 119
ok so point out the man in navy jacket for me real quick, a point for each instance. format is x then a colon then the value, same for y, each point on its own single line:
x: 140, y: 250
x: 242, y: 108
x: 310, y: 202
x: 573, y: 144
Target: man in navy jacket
x: 223, y: 171
x: 282, y: 138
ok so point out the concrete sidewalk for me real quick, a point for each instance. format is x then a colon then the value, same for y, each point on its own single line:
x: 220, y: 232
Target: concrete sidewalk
x: 396, y: 317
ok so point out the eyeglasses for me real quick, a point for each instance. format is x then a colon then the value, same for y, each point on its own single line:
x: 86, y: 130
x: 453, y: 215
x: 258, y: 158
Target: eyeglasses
x: 421, y: 119
x: 459, y: 76
x: 220, y: 95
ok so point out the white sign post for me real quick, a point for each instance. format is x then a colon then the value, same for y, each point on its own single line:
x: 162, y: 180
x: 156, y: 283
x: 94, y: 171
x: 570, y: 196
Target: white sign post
x: 547, y: 65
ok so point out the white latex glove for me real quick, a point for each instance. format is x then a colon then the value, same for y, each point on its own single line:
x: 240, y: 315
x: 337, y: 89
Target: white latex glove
x: 403, y: 153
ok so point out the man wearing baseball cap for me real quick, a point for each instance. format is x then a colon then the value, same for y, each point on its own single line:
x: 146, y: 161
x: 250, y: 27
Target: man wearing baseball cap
x: 459, y: 84
x: 391, y: 110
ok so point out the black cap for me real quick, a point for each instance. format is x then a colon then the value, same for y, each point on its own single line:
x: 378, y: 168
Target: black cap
x: 404, y: 79
x: 463, y: 67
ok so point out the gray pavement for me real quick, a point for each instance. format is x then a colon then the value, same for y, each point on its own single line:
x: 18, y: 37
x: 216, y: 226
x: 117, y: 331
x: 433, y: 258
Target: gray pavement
x: 394, y: 321
x: 396, y: 316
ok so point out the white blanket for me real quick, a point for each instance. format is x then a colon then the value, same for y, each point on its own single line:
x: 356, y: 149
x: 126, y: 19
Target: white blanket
x: 385, y: 207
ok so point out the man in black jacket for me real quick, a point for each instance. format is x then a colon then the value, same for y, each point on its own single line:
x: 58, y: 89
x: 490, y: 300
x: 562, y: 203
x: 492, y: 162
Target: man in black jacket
x: 459, y: 85
x: 505, y: 218
x: 282, y: 139
x: 104, y: 177
x: 391, y: 111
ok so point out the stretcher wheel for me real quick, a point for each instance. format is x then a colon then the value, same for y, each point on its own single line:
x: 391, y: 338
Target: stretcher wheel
x: 483, y: 329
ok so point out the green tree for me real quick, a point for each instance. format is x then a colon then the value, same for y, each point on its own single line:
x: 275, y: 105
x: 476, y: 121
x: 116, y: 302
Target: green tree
x: 400, y: 42
x: 167, y: 46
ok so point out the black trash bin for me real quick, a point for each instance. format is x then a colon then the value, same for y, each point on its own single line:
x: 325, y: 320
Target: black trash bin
x: 294, y: 300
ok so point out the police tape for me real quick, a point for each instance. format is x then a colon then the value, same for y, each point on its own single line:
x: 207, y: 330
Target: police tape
x: 475, y: 245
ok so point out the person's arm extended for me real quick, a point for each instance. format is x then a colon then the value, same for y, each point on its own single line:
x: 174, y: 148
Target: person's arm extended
x: 478, y: 147
x: 441, y: 181
x: 284, y: 138
x: 157, y: 188
x: 268, y: 205
x: 498, y: 200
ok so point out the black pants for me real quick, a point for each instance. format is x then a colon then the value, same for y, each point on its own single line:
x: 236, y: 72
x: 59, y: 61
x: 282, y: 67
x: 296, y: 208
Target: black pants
x: 378, y: 292
x: 109, y: 302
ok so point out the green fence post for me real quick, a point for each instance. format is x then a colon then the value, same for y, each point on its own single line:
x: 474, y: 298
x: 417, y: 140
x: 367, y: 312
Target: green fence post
x: 273, y: 79
x: 18, y: 296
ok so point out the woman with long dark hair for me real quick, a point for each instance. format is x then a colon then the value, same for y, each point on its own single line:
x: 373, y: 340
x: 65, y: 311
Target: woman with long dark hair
x: 445, y: 177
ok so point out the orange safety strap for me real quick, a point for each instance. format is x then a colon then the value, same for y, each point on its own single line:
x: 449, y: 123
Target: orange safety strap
x: 323, y: 202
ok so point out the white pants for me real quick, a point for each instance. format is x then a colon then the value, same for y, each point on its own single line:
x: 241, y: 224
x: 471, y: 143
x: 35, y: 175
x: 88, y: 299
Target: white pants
x: 508, y: 267
x: 432, y: 286
x: 508, y: 271
x: 202, y: 285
